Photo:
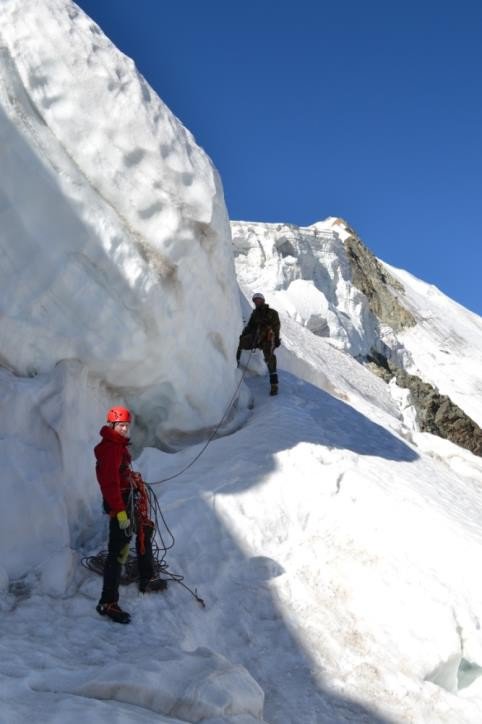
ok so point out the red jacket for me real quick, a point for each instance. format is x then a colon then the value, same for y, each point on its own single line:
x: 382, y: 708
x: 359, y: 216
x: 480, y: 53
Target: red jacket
x: 113, y: 468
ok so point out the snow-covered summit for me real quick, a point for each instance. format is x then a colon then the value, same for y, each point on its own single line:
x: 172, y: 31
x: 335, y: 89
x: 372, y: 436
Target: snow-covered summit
x: 322, y: 278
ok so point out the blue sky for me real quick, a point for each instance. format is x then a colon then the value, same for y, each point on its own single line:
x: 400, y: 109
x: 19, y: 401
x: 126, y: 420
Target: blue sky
x: 366, y: 109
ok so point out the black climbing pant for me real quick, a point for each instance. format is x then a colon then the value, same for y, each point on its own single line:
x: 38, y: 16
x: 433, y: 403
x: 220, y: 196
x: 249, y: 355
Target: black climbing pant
x: 112, y: 569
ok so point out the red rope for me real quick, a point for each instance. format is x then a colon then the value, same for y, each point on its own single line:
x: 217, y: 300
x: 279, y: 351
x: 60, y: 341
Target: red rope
x: 142, y: 509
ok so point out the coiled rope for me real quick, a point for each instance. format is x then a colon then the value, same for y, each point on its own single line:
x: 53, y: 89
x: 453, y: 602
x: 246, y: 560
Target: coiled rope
x: 129, y: 571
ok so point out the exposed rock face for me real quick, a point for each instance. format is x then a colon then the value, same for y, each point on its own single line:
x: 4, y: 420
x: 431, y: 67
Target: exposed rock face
x: 379, y: 287
x: 436, y: 413
x: 379, y: 365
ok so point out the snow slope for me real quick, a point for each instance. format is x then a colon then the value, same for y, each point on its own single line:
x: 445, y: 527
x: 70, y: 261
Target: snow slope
x: 339, y: 567
x: 336, y: 547
x: 445, y: 346
x: 348, y: 557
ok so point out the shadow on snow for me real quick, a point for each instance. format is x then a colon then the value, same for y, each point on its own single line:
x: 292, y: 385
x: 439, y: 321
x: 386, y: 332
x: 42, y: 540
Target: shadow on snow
x: 243, y: 620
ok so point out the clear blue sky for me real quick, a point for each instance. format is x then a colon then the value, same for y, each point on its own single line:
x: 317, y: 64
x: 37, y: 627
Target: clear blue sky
x: 366, y: 109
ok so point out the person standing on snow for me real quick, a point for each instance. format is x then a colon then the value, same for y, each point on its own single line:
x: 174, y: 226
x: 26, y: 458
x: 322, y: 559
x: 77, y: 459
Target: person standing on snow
x: 124, y: 495
x: 262, y: 332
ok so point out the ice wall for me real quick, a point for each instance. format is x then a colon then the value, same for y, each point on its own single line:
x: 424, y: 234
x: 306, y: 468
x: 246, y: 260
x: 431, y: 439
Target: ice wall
x: 115, y: 244
x: 116, y: 272
x: 48, y: 494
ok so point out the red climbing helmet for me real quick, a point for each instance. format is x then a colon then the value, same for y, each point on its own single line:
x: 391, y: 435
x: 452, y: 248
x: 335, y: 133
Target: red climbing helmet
x: 119, y: 414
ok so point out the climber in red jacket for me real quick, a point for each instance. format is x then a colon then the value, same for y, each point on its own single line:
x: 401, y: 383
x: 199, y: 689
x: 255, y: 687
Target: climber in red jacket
x: 125, y: 501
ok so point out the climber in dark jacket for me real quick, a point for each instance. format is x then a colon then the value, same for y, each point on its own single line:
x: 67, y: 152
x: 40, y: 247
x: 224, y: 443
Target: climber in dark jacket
x: 262, y: 332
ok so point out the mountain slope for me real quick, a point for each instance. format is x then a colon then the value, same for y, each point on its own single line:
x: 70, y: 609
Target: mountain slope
x: 337, y: 563
x: 446, y: 343
x: 336, y: 546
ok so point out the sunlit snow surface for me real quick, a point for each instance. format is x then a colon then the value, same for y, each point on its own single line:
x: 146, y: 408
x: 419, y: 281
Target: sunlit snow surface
x: 338, y: 549
x: 445, y: 345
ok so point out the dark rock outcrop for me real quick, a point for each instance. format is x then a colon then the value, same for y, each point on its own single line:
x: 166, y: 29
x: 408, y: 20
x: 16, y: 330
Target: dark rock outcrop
x: 380, y: 288
x: 436, y: 413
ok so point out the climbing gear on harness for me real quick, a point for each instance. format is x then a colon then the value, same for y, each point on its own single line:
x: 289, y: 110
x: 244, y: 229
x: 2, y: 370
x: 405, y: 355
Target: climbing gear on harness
x: 119, y: 414
x: 141, y: 508
x: 113, y: 611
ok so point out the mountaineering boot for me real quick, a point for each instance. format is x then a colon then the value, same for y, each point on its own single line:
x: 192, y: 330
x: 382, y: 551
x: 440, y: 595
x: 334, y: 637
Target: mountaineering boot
x: 153, y: 586
x: 273, y: 378
x: 113, y: 611
x: 273, y: 390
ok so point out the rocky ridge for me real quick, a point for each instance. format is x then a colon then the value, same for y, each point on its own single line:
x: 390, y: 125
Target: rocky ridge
x: 436, y: 413
x: 381, y: 289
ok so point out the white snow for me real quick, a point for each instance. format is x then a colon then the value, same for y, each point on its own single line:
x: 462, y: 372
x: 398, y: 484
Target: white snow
x: 337, y: 562
x: 344, y: 554
x: 337, y: 548
x: 122, y: 219
x: 445, y: 346
x: 49, y: 494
